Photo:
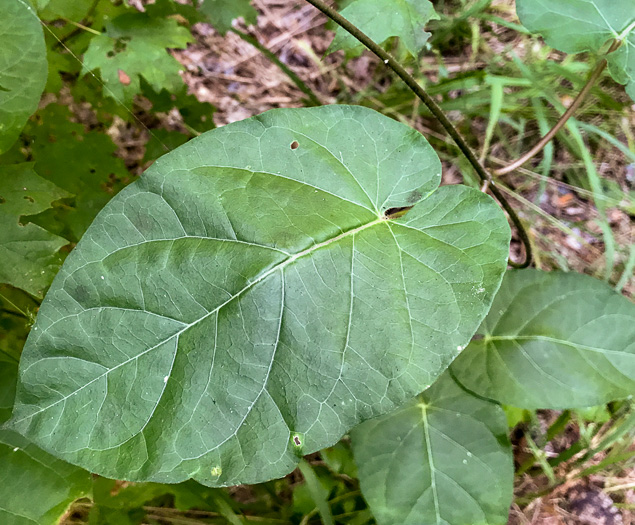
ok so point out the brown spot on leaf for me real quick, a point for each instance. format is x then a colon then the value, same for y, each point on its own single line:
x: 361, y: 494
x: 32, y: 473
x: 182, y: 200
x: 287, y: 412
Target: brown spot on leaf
x: 123, y: 77
x: 394, y: 213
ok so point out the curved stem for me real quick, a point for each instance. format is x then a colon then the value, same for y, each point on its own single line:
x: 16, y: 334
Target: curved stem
x: 283, y: 67
x: 438, y: 113
x: 593, y: 77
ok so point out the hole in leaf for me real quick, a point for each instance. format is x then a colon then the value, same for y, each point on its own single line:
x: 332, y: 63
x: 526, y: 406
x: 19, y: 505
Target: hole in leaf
x: 295, y: 144
x: 30, y: 199
x: 2, y: 200
x: 394, y: 213
x: 110, y: 54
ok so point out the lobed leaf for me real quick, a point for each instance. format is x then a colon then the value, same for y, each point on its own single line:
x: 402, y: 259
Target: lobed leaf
x: 552, y: 340
x: 443, y: 458
x: 247, y: 301
x: 383, y: 19
x: 23, y: 68
x: 81, y: 162
x: 134, y: 46
x: 28, y: 252
x: 574, y: 26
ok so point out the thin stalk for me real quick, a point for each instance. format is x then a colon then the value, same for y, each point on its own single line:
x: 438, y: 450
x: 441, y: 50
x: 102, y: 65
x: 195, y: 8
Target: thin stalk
x: 438, y: 113
x: 285, y: 69
x: 84, y: 22
x: 19, y: 312
x: 81, y: 26
x: 575, y: 105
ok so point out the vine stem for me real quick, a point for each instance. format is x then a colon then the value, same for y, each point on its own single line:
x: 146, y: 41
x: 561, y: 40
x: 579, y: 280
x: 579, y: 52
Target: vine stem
x: 575, y: 105
x: 438, y: 113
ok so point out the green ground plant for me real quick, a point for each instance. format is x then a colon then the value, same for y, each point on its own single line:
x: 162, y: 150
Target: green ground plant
x: 298, y: 282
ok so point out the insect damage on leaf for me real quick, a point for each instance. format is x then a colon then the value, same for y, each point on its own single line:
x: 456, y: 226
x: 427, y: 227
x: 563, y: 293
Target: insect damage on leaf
x: 395, y: 213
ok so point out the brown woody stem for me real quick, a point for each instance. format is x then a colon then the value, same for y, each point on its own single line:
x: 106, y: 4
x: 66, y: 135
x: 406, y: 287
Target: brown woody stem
x: 438, y: 113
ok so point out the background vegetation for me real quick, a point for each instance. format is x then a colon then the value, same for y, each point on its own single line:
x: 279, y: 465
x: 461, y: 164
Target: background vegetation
x: 128, y: 82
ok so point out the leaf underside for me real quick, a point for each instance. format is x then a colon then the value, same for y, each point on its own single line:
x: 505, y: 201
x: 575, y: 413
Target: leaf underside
x: 443, y: 458
x: 246, y: 302
x: 575, y: 26
x: 552, y: 340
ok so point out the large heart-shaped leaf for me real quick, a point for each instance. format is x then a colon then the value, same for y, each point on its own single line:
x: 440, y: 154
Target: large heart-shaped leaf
x: 443, y: 458
x: 383, y: 19
x: 247, y: 300
x: 23, y: 68
x: 553, y: 340
x: 574, y: 26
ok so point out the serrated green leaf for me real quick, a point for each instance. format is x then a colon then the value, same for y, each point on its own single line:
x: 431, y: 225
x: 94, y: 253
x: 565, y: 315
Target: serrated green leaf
x: 221, y: 13
x: 245, y: 301
x: 134, y: 46
x: 574, y: 26
x: 553, y: 340
x: 443, y: 458
x: 70, y: 9
x: 81, y: 162
x: 161, y: 141
x: 166, y: 8
x: 23, y: 68
x: 28, y: 252
x: 35, y: 487
x: 196, y: 115
x: 383, y: 19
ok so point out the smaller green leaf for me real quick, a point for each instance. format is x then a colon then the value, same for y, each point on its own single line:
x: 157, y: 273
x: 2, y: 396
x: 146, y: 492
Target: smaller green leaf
x: 161, y: 142
x: 80, y: 162
x: 166, y: 8
x: 35, y: 488
x: 26, y: 470
x: 8, y: 379
x: 134, y: 46
x: 196, y: 115
x: 23, y: 68
x: 383, y: 19
x: 17, y: 313
x: 70, y: 9
x: 575, y: 26
x: 552, y: 340
x: 28, y: 252
x: 221, y: 13
x: 443, y: 458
